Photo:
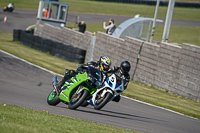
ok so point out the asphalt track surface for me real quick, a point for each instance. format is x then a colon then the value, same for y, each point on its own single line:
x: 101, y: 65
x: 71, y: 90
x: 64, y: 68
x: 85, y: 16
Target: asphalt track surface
x: 26, y: 85
x: 23, y: 18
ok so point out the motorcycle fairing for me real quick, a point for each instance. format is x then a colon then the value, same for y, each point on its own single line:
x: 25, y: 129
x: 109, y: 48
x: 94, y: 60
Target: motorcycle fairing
x: 71, y: 84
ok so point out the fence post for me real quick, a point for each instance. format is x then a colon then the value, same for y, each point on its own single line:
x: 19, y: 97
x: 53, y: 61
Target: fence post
x: 92, y: 48
x: 168, y: 21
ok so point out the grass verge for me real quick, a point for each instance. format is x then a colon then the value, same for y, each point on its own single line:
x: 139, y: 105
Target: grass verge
x: 135, y: 90
x: 126, y: 9
x: 15, y: 119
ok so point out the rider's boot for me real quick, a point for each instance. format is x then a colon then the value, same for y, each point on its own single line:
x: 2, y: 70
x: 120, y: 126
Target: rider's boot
x: 59, y: 85
x: 66, y: 77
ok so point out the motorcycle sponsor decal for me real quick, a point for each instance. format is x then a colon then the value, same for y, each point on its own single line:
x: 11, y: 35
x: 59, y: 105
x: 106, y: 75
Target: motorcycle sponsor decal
x: 64, y: 87
x: 64, y: 95
x: 69, y: 82
x: 75, y: 80
x: 112, y: 79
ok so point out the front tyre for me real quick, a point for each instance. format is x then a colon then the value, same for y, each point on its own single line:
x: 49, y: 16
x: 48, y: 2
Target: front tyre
x: 77, y: 99
x: 101, y: 102
x: 84, y: 104
x: 53, y: 99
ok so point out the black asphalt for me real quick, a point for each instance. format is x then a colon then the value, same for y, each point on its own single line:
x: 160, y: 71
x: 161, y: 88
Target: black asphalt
x: 26, y: 85
x: 23, y: 18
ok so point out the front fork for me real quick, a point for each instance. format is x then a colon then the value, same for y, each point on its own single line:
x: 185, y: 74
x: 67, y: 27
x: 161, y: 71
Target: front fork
x: 55, y: 82
x: 101, y: 94
x: 105, y: 91
x: 80, y: 88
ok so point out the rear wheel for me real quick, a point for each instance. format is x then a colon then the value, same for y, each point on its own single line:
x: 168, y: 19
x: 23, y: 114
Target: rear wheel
x: 78, y: 98
x: 53, y: 99
x: 102, y: 101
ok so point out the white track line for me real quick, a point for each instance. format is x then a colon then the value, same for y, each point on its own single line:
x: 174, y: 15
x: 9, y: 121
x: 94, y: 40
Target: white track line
x: 158, y: 107
x: 30, y: 27
x: 53, y: 73
x: 122, y: 96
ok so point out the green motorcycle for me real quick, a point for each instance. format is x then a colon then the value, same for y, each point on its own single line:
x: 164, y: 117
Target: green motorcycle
x: 77, y: 89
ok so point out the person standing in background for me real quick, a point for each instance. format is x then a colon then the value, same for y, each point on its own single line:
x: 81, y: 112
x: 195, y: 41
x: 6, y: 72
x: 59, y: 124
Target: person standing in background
x: 108, y: 24
x: 111, y: 28
x: 82, y: 26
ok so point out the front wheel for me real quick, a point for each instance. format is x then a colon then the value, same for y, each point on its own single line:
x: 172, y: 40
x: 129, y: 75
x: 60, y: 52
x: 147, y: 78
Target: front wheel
x: 78, y: 98
x: 85, y: 104
x: 53, y: 99
x: 101, y: 102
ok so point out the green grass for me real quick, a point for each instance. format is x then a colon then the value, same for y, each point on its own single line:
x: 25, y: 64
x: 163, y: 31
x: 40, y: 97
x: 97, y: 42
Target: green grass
x: 162, y: 98
x: 134, y: 90
x: 34, y: 56
x: 178, y: 34
x: 117, y: 8
x: 15, y: 119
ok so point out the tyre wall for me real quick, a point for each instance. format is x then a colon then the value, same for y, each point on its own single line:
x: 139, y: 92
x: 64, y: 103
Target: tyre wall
x: 67, y: 52
x: 65, y: 35
x: 170, y: 67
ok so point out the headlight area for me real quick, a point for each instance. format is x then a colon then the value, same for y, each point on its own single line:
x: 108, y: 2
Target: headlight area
x: 98, y: 84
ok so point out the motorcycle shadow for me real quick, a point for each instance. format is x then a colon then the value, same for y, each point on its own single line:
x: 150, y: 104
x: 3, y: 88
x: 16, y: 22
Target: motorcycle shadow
x: 109, y: 113
x: 115, y: 114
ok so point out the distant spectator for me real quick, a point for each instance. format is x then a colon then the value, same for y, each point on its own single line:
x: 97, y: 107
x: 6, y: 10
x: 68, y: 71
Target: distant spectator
x: 111, y: 28
x: 46, y: 13
x: 108, y: 24
x: 82, y: 26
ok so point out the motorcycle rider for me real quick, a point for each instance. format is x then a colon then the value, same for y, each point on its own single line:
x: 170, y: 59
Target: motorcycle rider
x: 122, y: 72
x: 103, y: 65
x: 9, y: 7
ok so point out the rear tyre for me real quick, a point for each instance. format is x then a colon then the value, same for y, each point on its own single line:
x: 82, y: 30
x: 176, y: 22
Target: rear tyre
x: 77, y: 99
x: 101, y: 102
x: 53, y: 99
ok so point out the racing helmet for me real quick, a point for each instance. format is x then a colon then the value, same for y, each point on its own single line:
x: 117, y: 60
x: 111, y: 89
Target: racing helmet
x: 125, y: 66
x: 104, y: 63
